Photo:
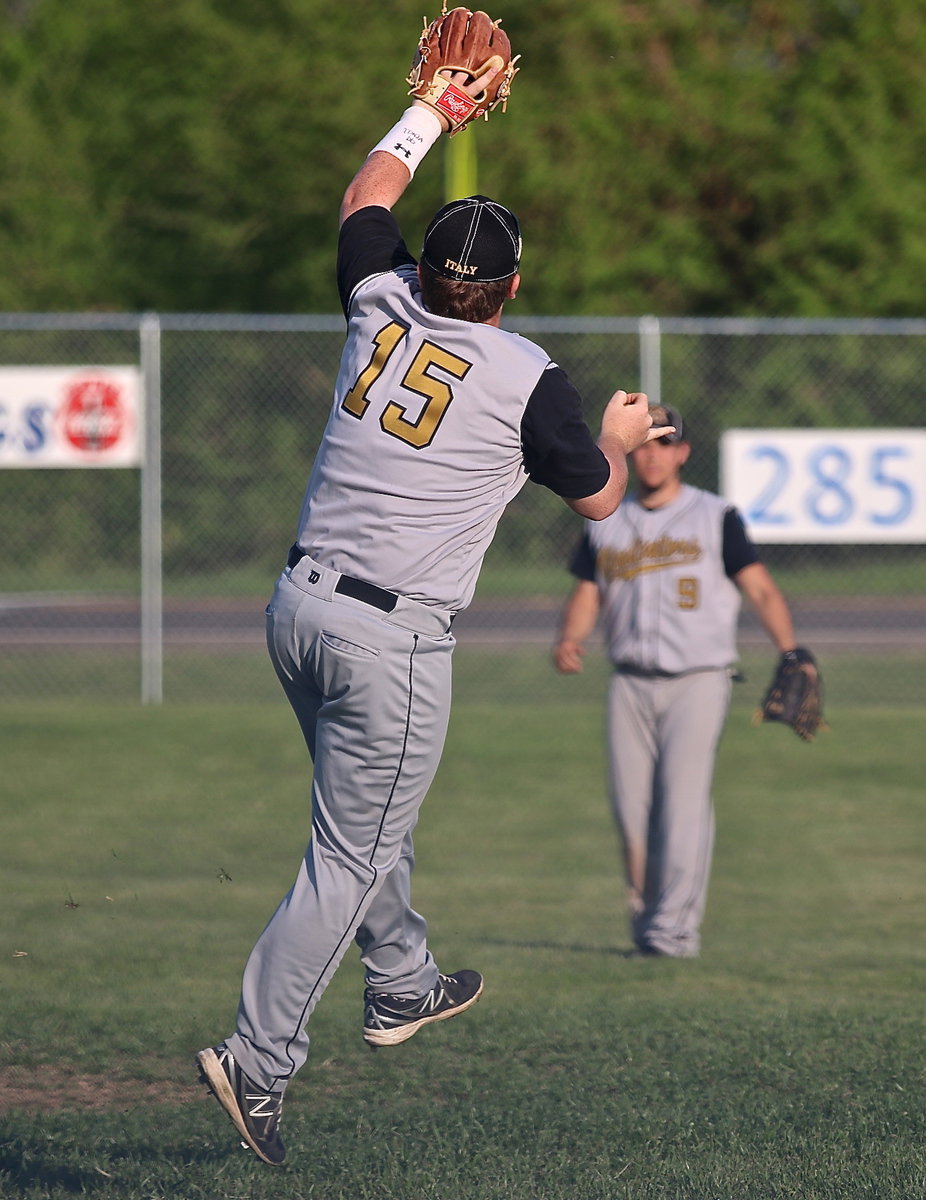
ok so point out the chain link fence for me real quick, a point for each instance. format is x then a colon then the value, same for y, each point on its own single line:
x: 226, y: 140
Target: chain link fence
x: 128, y: 584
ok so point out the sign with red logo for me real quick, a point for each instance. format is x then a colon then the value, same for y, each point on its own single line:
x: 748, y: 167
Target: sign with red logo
x: 70, y: 417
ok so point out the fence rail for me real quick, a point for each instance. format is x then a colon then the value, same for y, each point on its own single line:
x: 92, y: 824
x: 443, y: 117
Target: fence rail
x: 94, y: 564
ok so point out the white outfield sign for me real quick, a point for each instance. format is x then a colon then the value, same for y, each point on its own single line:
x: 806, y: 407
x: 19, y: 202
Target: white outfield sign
x: 827, y: 485
x: 70, y: 417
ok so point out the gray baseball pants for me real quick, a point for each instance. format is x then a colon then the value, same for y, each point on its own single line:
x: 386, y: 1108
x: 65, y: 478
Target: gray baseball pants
x: 371, y: 692
x: 662, y: 743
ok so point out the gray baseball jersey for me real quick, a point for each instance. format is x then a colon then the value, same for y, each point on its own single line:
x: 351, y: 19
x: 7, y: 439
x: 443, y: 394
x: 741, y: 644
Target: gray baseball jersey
x: 668, y: 604
x: 430, y: 436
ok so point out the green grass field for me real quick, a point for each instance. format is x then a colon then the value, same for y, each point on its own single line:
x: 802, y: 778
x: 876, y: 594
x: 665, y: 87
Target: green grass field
x: 143, y: 849
x: 890, y: 679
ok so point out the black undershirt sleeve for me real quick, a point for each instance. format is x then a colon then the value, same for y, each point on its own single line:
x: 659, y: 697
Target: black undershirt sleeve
x: 583, y: 560
x: 738, y: 550
x: 370, y: 243
x: 559, y: 450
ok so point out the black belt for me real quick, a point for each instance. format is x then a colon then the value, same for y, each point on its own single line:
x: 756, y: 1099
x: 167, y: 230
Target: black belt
x: 626, y: 668
x: 357, y: 589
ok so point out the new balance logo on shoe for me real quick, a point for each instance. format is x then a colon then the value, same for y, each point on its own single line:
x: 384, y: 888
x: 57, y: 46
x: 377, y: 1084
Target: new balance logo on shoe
x: 261, y: 1106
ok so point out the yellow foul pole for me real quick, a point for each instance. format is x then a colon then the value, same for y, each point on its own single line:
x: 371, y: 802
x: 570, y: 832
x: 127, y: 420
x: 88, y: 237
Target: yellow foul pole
x: 460, y: 172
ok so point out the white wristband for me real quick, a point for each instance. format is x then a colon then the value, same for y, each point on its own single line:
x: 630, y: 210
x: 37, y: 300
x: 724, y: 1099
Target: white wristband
x: 412, y: 136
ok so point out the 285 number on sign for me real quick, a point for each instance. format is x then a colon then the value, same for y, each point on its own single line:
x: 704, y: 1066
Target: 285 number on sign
x: 827, y: 485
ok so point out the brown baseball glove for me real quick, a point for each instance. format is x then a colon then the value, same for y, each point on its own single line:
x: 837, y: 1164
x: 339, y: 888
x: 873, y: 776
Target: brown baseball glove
x: 461, y: 40
x: 795, y: 695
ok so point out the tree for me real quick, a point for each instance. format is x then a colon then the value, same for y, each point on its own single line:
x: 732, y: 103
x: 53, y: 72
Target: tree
x: 677, y: 157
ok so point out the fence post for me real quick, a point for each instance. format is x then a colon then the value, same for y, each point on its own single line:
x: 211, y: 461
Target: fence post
x: 152, y: 604
x: 651, y: 358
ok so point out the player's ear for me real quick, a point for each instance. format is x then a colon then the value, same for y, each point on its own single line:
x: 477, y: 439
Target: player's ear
x: 684, y: 449
x: 513, y: 286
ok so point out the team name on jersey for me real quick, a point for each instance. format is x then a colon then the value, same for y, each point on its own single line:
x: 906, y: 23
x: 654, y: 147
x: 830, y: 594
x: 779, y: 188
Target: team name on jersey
x: 642, y: 556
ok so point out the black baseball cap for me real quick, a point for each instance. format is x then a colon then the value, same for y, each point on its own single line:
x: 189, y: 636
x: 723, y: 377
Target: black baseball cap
x: 664, y: 416
x: 474, y: 240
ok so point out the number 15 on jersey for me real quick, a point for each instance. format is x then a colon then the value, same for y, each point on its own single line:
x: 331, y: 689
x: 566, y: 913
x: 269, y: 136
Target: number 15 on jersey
x: 827, y: 485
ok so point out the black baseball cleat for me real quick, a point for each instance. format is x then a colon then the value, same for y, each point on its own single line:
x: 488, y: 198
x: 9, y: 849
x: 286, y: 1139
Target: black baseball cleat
x: 647, y: 950
x: 254, y: 1111
x: 389, y: 1020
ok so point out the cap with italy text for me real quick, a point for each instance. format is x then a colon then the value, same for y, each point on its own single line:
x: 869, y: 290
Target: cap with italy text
x: 474, y: 240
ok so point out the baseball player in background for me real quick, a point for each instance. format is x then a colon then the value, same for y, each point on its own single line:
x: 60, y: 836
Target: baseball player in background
x: 665, y: 573
x: 438, y: 419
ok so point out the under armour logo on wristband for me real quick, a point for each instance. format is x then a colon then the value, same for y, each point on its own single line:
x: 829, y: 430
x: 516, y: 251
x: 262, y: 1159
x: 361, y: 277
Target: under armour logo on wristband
x: 403, y: 149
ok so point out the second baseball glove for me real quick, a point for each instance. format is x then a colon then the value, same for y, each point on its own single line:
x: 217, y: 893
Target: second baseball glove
x: 461, y: 40
x: 795, y: 695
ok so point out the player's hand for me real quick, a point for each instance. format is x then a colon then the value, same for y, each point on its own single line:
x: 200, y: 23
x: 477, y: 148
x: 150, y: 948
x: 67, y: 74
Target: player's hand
x: 627, y: 418
x: 472, y: 87
x: 567, y: 657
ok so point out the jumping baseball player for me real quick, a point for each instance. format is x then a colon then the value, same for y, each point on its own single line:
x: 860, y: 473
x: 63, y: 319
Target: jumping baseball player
x: 665, y: 573
x: 438, y: 419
